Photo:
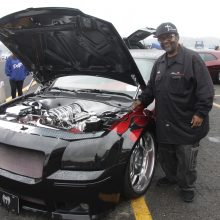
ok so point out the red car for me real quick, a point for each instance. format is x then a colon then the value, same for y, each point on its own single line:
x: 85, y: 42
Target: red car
x: 212, y: 61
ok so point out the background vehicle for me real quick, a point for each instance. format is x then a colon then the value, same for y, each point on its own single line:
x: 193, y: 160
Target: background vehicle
x: 199, y: 44
x: 212, y: 61
x: 133, y: 41
x: 145, y: 59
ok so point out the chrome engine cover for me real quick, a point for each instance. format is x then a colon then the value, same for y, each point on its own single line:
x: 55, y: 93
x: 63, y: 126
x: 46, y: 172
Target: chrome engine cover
x: 64, y: 113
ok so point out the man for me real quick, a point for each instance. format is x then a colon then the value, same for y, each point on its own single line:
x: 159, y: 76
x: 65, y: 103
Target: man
x: 16, y: 72
x: 183, y: 91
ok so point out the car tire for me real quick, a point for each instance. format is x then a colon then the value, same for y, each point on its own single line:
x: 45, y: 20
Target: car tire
x: 140, y: 168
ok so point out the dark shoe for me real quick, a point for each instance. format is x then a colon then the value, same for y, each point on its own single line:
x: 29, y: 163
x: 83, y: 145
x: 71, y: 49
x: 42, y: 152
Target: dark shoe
x: 187, y: 196
x: 165, y: 182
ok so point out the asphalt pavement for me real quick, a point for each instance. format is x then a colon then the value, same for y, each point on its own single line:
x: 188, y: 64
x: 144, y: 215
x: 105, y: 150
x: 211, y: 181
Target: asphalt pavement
x: 165, y: 203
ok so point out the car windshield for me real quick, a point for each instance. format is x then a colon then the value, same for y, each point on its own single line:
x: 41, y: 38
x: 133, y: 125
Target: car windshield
x: 84, y: 82
x: 81, y: 82
x: 207, y: 56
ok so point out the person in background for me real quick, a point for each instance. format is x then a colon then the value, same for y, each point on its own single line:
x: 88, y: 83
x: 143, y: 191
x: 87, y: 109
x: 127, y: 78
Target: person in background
x: 183, y: 91
x: 17, y: 73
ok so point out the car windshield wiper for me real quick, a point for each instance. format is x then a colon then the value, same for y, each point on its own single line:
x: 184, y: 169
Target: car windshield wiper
x: 62, y: 89
x: 90, y: 90
x: 104, y: 92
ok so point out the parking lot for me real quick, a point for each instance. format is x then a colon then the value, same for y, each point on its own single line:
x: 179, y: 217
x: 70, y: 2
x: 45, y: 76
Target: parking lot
x: 164, y: 203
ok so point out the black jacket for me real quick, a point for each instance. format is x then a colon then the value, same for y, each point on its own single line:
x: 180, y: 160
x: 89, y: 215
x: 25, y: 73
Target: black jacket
x: 182, y: 87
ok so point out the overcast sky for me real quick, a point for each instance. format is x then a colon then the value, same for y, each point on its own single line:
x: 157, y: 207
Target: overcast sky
x: 193, y: 18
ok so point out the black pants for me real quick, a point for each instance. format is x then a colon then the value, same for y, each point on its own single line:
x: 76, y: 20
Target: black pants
x: 16, y: 86
x: 179, y: 163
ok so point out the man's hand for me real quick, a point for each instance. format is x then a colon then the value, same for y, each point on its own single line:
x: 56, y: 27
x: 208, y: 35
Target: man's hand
x: 135, y: 104
x: 196, y: 121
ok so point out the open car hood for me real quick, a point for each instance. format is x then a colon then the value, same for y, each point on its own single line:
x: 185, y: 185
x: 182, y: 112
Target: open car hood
x: 141, y: 34
x: 138, y: 36
x: 54, y: 42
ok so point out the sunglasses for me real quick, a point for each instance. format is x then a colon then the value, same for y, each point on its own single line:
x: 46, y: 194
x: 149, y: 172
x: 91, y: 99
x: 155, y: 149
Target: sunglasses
x: 166, y: 37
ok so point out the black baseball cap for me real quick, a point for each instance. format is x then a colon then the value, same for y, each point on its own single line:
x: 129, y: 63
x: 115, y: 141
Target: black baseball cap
x: 166, y: 28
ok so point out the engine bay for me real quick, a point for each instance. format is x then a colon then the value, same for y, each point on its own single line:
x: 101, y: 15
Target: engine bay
x: 76, y: 116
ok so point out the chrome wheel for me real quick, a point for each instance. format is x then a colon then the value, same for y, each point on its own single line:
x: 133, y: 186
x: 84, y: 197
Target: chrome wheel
x: 142, y: 162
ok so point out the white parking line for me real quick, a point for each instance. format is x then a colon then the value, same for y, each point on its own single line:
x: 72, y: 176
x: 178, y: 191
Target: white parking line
x: 216, y: 105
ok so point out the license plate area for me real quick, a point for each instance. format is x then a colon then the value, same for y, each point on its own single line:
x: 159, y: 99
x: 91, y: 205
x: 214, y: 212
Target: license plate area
x: 9, y: 201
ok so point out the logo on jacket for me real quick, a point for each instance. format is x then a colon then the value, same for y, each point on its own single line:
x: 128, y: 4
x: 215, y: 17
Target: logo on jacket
x: 17, y: 66
x: 176, y: 75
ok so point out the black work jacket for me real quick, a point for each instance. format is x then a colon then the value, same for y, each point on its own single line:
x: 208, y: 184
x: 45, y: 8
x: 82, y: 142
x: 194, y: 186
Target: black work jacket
x: 181, y: 89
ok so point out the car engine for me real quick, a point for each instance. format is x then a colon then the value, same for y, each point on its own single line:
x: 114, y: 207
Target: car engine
x: 71, y: 117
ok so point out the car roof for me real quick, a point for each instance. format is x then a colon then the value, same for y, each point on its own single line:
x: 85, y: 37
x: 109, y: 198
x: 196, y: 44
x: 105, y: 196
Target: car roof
x: 214, y: 52
x: 146, y: 53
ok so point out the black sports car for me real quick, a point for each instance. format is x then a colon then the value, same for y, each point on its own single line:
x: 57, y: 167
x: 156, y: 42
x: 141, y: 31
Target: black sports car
x: 68, y: 147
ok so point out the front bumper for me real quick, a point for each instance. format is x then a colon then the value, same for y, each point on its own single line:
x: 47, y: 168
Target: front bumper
x: 65, y: 194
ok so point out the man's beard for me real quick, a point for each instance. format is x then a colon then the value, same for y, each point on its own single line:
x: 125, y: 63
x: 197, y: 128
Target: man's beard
x: 170, y: 49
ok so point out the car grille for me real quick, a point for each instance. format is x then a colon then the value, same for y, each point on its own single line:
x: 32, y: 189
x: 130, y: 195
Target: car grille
x: 22, y: 161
